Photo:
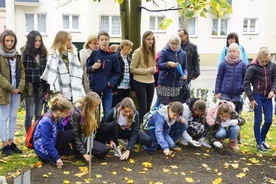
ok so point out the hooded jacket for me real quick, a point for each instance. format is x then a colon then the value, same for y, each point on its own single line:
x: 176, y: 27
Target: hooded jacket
x: 169, y: 76
x: 262, y: 78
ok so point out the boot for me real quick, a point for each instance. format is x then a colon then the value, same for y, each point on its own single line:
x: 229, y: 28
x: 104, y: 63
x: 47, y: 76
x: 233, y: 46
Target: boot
x: 233, y: 144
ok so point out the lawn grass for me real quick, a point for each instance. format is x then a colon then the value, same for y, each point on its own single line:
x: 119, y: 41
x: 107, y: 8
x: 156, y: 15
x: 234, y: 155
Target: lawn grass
x: 16, y: 164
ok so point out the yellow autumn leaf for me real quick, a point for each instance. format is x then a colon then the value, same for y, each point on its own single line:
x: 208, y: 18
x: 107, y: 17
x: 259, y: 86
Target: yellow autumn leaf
x: 130, y: 181
x: 131, y: 161
x: 83, y: 169
x: 217, y: 181
x: 174, y: 166
x: 235, y: 166
x: 192, y: 172
x: 189, y: 179
x: 245, y: 169
x: 103, y: 163
x: 241, y: 175
x: 142, y: 172
x: 127, y: 169
x: 45, y: 176
x: 260, y: 155
x: 158, y: 182
x: 216, y: 170
x: 182, y: 173
x: 206, y: 154
x: 226, y: 165
x: 166, y: 170
x: 80, y: 174
x: 126, y: 178
x: 66, y: 182
x: 254, y: 160
x: 38, y: 164
x: 147, y: 164
x: 114, y: 172
x: 198, y: 154
x: 66, y: 172
x: 98, y: 175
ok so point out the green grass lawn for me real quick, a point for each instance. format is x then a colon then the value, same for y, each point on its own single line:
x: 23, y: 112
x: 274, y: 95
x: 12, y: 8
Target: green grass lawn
x: 16, y: 164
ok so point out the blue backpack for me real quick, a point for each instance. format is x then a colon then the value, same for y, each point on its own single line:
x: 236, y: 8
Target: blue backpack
x: 147, y: 117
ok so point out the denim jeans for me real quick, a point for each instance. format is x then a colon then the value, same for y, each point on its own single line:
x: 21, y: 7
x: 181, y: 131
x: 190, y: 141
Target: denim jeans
x: 9, y: 112
x: 265, y: 105
x: 157, y: 102
x: 33, y: 107
x: 107, y: 104
x: 230, y: 132
x: 236, y: 99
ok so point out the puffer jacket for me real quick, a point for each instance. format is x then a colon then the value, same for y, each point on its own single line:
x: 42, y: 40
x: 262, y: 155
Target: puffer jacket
x: 169, y: 76
x: 262, y: 78
x: 230, y: 78
x: 5, y: 78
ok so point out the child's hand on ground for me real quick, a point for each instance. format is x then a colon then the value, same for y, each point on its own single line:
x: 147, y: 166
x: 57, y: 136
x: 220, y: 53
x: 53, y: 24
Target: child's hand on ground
x: 125, y: 155
x: 217, y: 144
x: 166, y: 151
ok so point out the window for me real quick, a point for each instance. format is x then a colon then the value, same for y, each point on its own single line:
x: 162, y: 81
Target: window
x: 250, y: 25
x: 220, y: 27
x: 35, y: 22
x: 111, y: 24
x: 154, y: 23
x: 191, y: 25
x: 71, y: 22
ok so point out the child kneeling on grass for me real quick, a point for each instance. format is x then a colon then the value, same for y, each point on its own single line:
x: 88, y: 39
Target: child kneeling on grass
x: 224, y: 122
x: 164, y: 129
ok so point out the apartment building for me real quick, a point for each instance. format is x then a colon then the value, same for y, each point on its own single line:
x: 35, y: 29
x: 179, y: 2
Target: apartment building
x: 251, y: 19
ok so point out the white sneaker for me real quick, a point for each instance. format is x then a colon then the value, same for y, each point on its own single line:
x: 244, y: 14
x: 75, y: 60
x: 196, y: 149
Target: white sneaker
x: 195, y: 143
x: 117, y: 151
x: 217, y: 144
x: 183, y: 142
x: 203, y: 142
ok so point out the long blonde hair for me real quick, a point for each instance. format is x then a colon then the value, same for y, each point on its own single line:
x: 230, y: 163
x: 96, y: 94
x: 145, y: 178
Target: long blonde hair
x: 59, y: 103
x: 90, y: 114
x: 60, y: 42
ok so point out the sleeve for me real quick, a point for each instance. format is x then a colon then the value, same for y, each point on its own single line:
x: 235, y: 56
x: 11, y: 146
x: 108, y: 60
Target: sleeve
x: 162, y: 61
x: 219, y: 78
x: 21, y: 85
x: 244, y: 55
x: 196, y: 62
x: 248, y: 80
x: 91, y: 61
x: 116, y: 71
x: 47, y: 139
x: 159, y: 129
x: 222, y: 56
x: 110, y: 116
x: 136, y: 58
x: 83, y: 57
x: 134, y: 132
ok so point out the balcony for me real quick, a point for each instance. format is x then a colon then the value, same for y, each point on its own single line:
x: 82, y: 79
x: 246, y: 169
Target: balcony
x: 27, y: 2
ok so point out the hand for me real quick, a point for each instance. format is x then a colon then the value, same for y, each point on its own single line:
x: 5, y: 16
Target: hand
x: 71, y: 145
x: 182, y: 120
x: 218, y: 96
x: 184, y: 77
x: 87, y: 158
x: 271, y: 94
x: 132, y: 94
x: 125, y: 155
x: 172, y: 64
x: 166, y: 151
x: 152, y: 69
x: 217, y: 144
x: 112, y: 144
x: 233, y: 122
x: 16, y: 91
x: 97, y: 65
x: 59, y: 163
x: 254, y: 104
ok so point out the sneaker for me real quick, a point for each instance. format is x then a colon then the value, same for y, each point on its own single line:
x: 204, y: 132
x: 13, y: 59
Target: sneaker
x: 14, y: 148
x: 6, y: 150
x: 266, y: 146
x: 261, y: 148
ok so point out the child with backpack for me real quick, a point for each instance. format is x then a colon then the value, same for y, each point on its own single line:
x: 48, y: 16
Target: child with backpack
x: 164, y: 129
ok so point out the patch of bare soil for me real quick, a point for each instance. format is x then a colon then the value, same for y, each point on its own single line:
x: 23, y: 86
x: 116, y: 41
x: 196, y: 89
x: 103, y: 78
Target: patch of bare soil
x: 192, y: 164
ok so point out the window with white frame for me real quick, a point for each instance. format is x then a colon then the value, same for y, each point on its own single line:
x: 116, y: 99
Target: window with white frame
x: 154, y: 23
x: 250, y: 26
x: 35, y: 22
x: 220, y: 27
x: 71, y: 22
x: 111, y: 24
x: 191, y: 25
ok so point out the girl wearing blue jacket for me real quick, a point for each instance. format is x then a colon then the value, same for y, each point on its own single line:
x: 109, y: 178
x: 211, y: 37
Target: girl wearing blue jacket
x: 49, y: 138
x: 165, y: 127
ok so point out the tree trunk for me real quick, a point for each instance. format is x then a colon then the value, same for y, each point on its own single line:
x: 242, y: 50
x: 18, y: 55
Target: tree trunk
x: 135, y: 23
x: 124, y: 16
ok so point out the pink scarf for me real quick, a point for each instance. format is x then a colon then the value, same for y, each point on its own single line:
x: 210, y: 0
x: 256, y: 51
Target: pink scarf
x: 232, y: 61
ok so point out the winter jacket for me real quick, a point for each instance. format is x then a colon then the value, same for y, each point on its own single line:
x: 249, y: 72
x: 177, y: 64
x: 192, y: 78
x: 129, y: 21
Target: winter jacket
x: 224, y: 53
x: 113, y: 115
x: 122, y: 69
x: 230, y: 78
x: 262, y: 78
x: 5, y: 78
x: 169, y: 76
x: 193, y: 60
x: 162, y: 126
x: 109, y: 72
x: 45, y: 137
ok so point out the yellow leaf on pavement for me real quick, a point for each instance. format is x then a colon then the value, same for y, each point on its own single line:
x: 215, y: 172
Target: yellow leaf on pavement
x: 174, y: 167
x: 66, y: 172
x: 130, y: 181
x: 45, y: 176
x: 98, y: 175
x: 245, y: 169
x: 66, y: 182
x: 217, y: 181
x: 131, y: 161
x: 241, y: 175
x: 235, y: 166
x: 103, y: 163
x: 189, y: 179
x: 166, y: 170
x: 127, y: 169
x: 147, y: 164
x: 114, y: 172
x: 254, y: 160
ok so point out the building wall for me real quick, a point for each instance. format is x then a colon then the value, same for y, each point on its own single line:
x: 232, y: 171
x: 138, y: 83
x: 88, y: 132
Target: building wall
x: 2, y: 21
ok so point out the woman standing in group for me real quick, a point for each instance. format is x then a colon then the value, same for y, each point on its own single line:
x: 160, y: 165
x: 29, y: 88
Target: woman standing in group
x: 88, y: 47
x: 84, y: 122
x: 169, y: 79
x: 34, y: 58
x: 143, y: 66
x: 63, y: 71
x: 122, y: 89
x: 50, y: 140
x: 12, y: 82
